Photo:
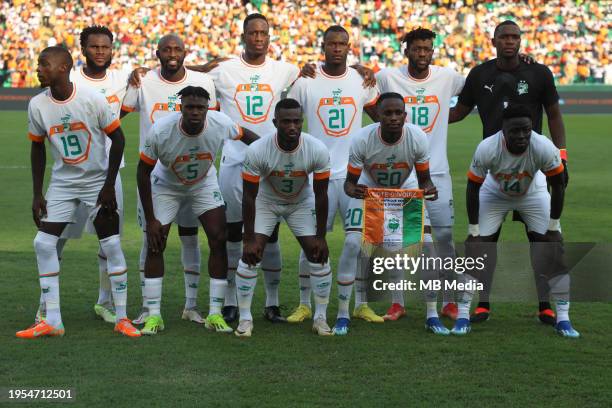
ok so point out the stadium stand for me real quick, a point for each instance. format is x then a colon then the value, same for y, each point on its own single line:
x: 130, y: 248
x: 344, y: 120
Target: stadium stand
x: 572, y: 37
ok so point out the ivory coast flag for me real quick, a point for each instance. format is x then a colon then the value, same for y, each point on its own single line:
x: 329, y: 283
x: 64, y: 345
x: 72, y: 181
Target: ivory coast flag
x: 393, y: 216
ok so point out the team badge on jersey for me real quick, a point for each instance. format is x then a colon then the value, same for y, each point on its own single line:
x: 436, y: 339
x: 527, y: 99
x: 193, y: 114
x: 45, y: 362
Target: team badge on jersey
x: 193, y: 167
x: 422, y: 110
x: 522, y: 87
x: 337, y: 113
x: 254, y: 100
x: 171, y: 106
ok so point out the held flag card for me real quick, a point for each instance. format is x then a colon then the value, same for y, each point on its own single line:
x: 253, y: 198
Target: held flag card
x: 393, y: 217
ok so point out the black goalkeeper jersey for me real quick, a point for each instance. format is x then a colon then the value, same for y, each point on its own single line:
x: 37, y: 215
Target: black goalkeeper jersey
x: 491, y: 89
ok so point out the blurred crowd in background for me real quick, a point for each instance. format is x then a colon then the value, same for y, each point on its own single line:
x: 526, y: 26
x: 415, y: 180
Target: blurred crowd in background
x: 573, y: 38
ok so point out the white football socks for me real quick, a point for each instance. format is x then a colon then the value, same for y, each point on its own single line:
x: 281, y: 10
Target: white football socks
x: 304, y: 278
x: 117, y: 272
x: 234, y: 252
x: 153, y: 293
x: 271, y: 264
x: 246, y: 279
x: 320, y: 281
x: 218, y: 287
x: 45, y: 246
x: 190, y: 258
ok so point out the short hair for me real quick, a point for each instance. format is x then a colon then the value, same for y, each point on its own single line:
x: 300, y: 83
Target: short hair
x: 516, y: 111
x: 253, y: 16
x: 287, y: 103
x: 196, y: 91
x: 335, y: 29
x: 93, y: 30
x: 389, y: 95
x: 504, y: 23
x: 418, y: 34
x: 58, y: 50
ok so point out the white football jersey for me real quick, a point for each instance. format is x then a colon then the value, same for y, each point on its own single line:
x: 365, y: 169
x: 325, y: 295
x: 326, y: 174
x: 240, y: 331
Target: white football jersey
x: 387, y: 165
x: 248, y: 94
x: 76, y: 129
x: 284, y: 175
x: 427, y: 104
x: 156, y: 97
x: 185, y: 161
x: 511, y: 174
x: 113, y: 86
x: 334, y: 109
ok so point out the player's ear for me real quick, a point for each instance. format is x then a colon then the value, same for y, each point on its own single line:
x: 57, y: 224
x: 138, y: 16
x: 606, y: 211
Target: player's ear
x: 157, y: 53
x: 275, y: 122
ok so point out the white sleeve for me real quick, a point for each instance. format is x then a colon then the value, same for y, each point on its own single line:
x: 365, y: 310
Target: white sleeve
x: 298, y: 92
x: 209, y: 85
x: 131, y: 99
x: 479, y: 166
x: 231, y: 130
x: 550, y: 160
x: 322, y: 166
x: 421, y: 148
x: 371, y: 96
x: 356, y: 155
x: 150, y: 152
x: 107, y: 120
x: 36, y: 128
x: 251, y: 168
x: 458, y: 81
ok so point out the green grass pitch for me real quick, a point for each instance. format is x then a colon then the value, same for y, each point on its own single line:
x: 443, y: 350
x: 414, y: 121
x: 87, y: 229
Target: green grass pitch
x: 509, y: 361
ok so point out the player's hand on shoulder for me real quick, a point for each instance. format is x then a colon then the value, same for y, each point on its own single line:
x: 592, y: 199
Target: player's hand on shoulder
x: 107, y: 198
x: 358, y: 191
x: 251, y: 254
x: 155, y: 236
x: 134, y: 78
x: 39, y: 208
x: 430, y: 193
x: 309, y: 70
x: 209, y: 66
x: 369, y: 78
x: 527, y: 59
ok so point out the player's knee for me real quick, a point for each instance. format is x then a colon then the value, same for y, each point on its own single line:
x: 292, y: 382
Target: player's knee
x: 352, y: 243
x: 45, y: 244
x: 217, y: 239
x: 234, y: 231
x: 106, y: 223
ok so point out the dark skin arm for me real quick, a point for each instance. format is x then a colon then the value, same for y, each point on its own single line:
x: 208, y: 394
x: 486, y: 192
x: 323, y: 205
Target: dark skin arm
x: 557, y: 132
x: 155, y: 238
x: 248, y: 136
x: 250, y: 254
x: 459, y: 112
x: 107, y: 198
x: 38, y: 159
x: 372, y: 112
x: 429, y: 190
x: 321, y: 251
x: 557, y: 196
x: 352, y: 189
x: 472, y: 201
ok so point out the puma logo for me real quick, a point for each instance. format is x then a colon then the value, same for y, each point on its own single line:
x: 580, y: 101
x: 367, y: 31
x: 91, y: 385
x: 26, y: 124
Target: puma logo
x: 489, y: 87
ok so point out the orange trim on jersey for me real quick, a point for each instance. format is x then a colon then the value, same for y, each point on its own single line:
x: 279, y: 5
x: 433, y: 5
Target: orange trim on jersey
x: 253, y: 66
x: 74, y: 87
x: 353, y: 170
x: 93, y: 79
x: 35, y: 138
x: 147, y: 159
x: 217, y: 107
x: 240, y: 133
x: 416, y: 79
x: 379, y: 133
x: 283, y: 150
x: 250, y: 177
x: 113, y: 99
x: 563, y: 154
x: 126, y: 108
x: 372, y: 102
x: 112, y: 127
x: 163, y: 107
x: 170, y: 82
x: 555, y: 171
x: 331, y: 76
x: 475, y: 178
x: 322, y: 176
x: 422, y: 166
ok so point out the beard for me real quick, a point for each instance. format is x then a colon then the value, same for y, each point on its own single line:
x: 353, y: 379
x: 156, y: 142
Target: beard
x: 91, y: 64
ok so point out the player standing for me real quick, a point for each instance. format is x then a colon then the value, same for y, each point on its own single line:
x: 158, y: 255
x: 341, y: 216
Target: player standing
x: 155, y: 98
x: 503, y: 178
x: 427, y: 90
x: 334, y: 101
x: 383, y: 155
x: 282, y: 163
x: 248, y: 87
x: 76, y: 120
x: 491, y: 86
x: 185, y: 179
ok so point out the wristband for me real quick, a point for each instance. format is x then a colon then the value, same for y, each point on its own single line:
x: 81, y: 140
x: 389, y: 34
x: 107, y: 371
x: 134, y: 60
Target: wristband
x: 474, y: 230
x: 563, y: 153
x: 554, y: 225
